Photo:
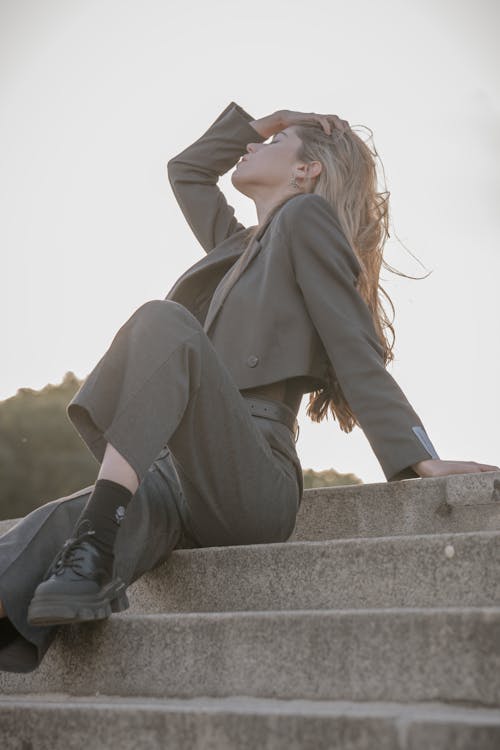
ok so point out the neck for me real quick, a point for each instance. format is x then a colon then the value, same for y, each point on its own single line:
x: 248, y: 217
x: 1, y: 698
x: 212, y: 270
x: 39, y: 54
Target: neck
x: 265, y: 202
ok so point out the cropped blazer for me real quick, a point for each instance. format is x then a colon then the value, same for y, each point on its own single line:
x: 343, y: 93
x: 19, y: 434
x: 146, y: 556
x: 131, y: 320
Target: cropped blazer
x: 295, y: 309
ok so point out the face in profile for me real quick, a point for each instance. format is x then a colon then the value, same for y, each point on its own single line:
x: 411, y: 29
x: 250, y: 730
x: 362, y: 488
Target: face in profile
x: 268, y: 167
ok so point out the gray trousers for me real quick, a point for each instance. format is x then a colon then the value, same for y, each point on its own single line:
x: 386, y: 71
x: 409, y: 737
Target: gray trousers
x: 210, y: 472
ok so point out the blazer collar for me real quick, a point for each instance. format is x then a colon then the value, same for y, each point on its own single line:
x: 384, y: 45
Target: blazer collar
x: 218, y: 297
x: 225, y: 254
x: 222, y: 257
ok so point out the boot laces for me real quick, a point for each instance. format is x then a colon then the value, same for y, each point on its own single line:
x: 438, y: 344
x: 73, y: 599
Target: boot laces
x: 68, y: 554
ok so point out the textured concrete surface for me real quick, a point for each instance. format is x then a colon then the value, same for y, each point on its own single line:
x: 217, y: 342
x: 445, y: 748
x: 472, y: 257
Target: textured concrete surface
x: 450, y: 654
x: 406, y: 571
x: 60, y: 722
x: 377, y: 625
x: 459, y: 502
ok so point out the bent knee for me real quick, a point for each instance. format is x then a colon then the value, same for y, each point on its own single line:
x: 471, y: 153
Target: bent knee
x: 166, y: 307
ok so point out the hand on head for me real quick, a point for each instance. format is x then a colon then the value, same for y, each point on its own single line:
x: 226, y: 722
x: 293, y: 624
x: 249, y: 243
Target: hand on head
x: 329, y: 123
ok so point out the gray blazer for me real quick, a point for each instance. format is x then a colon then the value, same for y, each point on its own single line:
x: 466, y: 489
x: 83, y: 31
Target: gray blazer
x: 295, y: 308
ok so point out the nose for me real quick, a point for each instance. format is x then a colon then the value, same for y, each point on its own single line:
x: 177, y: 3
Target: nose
x: 251, y: 147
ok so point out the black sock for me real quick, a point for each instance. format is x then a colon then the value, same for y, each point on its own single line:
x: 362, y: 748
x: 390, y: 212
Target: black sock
x: 105, y: 509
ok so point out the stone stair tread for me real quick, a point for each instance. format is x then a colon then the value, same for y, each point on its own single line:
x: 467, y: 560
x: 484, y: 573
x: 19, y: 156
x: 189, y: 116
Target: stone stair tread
x: 457, y: 502
x: 249, y: 704
x: 330, y: 613
x: 445, y: 653
x: 422, y: 570
x: 320, y: 544
x: 341, y: 541
x: 241, y: 722
x: 311, y: 544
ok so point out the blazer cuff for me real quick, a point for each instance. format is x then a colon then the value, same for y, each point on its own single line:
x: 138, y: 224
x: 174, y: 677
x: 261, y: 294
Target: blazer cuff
x: 424, y: 452
x: 241, y: 120
x: 217, y: 150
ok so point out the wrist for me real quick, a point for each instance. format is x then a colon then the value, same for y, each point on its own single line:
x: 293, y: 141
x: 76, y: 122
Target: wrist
x: 267, y: 126
x: 420, y: 466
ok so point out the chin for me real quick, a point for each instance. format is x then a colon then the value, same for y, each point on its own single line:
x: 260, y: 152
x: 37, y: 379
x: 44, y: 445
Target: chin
x: 240, y: 185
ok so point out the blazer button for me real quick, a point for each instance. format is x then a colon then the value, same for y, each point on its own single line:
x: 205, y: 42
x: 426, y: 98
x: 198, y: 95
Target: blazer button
x: 252, y: 360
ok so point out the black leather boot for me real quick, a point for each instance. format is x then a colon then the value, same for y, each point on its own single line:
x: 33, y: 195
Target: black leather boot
x: 78, y: 586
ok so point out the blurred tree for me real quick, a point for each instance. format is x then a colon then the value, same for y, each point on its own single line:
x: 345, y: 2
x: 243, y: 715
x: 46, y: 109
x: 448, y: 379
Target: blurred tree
x: 42, y: 457
x: 327, y: 478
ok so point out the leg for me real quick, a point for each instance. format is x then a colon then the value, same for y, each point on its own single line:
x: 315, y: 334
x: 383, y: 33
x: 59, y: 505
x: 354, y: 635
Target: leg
x: 149, y: 532
x: 163, y: 384
x: 116, y: 468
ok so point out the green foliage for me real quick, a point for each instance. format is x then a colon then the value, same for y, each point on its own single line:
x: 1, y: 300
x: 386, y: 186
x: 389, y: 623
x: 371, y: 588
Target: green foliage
x: 42, y: 457
x: 327, y: 478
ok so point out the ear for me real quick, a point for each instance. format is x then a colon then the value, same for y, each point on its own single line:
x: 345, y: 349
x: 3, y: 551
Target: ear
x: 311, y: 170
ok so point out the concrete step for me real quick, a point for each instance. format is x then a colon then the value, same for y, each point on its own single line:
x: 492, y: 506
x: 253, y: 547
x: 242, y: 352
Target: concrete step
x: 445, y: 654
x: 58, y: 722
x: 455, y: 503
x: 418, y: 571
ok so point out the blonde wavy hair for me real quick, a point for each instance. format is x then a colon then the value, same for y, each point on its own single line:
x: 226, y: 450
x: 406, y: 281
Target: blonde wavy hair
x: 348, y: 181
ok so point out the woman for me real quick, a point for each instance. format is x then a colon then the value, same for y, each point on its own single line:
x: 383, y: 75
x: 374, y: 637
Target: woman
x: 192, y: 410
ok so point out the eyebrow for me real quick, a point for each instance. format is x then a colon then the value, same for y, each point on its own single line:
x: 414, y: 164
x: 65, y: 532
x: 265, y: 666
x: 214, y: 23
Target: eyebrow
x: 281, y: 132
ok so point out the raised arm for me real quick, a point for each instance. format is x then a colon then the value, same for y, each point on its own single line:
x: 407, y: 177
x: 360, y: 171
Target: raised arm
x: 326, y: 269
x: 193, y: 174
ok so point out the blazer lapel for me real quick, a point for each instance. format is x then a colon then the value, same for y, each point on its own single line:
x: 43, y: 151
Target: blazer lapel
x: 218, y: 262
x: 219, y: 257
x: 219, y: 296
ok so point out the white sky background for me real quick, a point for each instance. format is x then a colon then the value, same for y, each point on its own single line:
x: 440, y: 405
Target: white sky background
x: 97, y: 95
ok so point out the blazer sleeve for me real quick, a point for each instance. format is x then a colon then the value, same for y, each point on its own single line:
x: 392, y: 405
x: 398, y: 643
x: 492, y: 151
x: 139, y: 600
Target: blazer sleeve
x: 326, y: 270
x: 193, y: 175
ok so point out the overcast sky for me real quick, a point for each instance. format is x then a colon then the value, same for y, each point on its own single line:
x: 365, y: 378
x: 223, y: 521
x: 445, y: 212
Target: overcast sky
x: 97, y: 95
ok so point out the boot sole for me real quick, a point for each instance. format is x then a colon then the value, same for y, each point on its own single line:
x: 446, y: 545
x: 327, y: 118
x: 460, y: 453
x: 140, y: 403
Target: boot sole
x: 64, y: 609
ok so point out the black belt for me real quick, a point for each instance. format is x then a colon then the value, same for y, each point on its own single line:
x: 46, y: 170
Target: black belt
x: 262, y: 407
